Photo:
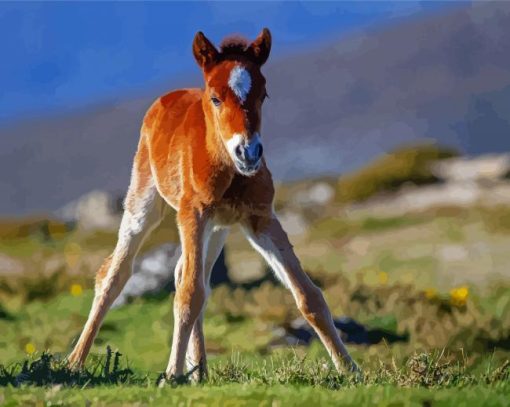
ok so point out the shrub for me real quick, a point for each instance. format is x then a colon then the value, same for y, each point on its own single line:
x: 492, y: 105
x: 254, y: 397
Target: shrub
x: 390, y: 172
x: 47, y: 229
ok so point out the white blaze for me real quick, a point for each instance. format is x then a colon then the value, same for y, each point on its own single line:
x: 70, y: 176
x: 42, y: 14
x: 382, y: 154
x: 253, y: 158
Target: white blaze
x: 232, y: 143
x: 240, y: 82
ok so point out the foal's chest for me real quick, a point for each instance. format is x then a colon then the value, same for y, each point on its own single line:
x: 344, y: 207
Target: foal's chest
x: 245, y: 197
x: 226, y: 214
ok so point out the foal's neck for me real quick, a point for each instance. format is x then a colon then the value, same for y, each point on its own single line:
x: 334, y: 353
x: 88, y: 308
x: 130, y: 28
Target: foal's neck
x: 216, y: 149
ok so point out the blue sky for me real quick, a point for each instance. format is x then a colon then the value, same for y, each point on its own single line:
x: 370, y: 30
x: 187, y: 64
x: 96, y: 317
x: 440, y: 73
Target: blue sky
x: 60, y: 56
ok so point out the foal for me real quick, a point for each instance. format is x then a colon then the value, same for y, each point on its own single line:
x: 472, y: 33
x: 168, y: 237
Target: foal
x: 200, y: 152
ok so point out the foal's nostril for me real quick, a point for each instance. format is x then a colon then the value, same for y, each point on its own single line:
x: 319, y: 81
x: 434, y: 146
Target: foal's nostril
x: 259, y: 151
x: 239, y: 151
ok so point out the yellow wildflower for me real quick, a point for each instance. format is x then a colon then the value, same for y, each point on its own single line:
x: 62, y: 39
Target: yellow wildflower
x: 29, y: 348
x: 430, y: 293
x: 76, y: 290
x: 383, y: 277
x: 459, y: 295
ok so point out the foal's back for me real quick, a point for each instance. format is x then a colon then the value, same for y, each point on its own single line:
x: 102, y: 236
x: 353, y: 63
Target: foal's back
x: 170, y: 127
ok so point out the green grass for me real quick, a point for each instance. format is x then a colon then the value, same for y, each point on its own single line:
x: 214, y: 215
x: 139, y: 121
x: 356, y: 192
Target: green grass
x: 392, y: 273
x: 450, y: 365
x: 341, y: 227
x: 143, y: 329
x: 260, y: 395
x: 389, y: 273
x: 455, y: 355
x: 425, y: 378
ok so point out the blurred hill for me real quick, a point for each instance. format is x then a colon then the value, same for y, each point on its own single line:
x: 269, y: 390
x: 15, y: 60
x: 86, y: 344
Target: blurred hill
x: 443, y: 77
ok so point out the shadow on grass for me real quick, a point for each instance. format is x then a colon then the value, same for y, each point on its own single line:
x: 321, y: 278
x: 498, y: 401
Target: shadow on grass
x: 50, y: 371
x: 5, y: 315
x: 47, y: 370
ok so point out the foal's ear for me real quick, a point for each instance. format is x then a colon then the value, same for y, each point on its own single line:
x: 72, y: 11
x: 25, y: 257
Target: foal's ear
x: 260, y: 48
x: 204, y: 51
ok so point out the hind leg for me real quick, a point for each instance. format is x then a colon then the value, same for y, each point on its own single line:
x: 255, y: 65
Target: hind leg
x: 268, y: 237
x: 143, y: 211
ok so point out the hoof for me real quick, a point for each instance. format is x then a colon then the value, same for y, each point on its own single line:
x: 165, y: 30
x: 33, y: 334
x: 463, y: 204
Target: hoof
x: 172, y: 380
x: 356, y: 372
x: 73, y: 364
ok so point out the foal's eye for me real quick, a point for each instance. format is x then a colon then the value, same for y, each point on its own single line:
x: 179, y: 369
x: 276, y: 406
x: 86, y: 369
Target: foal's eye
x: 216, y: 101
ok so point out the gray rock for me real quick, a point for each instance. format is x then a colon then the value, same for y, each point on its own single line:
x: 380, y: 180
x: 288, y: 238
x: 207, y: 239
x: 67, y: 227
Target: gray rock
x: 92, y: 211
x: 464, y: 169
x: 319, y: 194
x: 293, y: 223
x: 10, y: 266
x: 152, y: 274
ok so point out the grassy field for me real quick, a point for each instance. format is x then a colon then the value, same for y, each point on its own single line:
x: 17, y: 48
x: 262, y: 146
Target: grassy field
x: 437, y: 282
x: 462, y: 359
x: 261, y: 395
x: 384, y: 273
x: 286, y: 379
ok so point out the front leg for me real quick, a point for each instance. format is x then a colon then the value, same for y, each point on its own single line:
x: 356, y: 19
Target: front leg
x: 190, y: 288
x: 268, y: 237
x: 196, y: 355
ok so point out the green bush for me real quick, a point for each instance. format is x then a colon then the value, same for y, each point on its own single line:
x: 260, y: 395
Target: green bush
x: 390, y: 172
x: 21, y: 228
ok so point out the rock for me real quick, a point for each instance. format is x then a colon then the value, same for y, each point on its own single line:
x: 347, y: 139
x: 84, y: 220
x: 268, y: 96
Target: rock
x: 358, y: 246
x: 319, y: 194
x: 453, y: 252
x: 467, y: 182
x: 249, y: 265
x: 449, y: 194
x: 462, y: 194
x: 10, y: 266
x: 153, y: 274
x: 293, y: 223
x: 95, y: 210
x: 499, y: 195
x: 485, y: 167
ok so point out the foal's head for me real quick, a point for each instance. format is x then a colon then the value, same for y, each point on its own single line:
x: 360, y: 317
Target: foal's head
x: 235, y: 90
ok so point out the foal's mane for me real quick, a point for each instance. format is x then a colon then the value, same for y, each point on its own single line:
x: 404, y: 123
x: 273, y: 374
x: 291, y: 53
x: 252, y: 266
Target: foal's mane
x: 233, y: 47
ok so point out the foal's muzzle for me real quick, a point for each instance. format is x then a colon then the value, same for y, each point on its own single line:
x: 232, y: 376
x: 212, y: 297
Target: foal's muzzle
x: 248, y: 155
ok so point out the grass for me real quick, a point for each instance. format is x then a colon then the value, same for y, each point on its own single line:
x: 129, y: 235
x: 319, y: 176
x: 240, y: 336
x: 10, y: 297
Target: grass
x: 46, y: 371
x: 427, y: 277
x: 261, y: 395
x: 425, y: 378
x: 478, y: 322
x: 339, y: 228
x: 448, y: 357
